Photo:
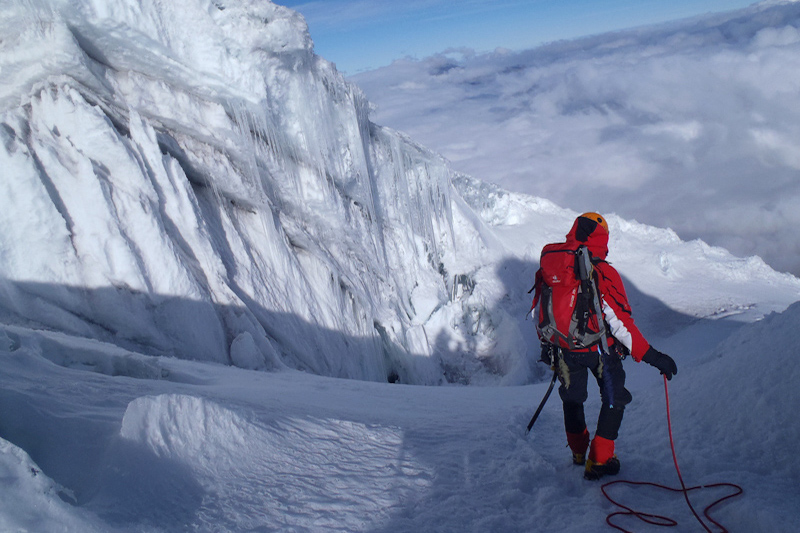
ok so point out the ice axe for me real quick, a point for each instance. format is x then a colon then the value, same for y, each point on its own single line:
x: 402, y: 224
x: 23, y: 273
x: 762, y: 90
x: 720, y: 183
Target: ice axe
x: 544, y: 401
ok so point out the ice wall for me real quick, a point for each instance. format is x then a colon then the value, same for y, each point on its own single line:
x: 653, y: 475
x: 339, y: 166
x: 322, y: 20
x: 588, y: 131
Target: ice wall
x: 187, y: 178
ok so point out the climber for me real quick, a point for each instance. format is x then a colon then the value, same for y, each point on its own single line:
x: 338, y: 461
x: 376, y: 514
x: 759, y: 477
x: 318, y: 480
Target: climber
x: 575, y: 342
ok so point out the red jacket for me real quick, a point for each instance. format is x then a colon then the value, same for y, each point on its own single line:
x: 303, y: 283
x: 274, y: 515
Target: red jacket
x: 616, y: 309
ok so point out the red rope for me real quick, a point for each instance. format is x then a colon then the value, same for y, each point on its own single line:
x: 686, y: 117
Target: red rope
x: 663, y: 520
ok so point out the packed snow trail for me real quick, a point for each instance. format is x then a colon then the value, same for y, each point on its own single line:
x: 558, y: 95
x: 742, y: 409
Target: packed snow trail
x: 153, y: 444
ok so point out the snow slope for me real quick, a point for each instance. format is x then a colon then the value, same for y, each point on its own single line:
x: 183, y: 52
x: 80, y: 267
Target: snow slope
x: 212, y: 262
x: 160, y: 444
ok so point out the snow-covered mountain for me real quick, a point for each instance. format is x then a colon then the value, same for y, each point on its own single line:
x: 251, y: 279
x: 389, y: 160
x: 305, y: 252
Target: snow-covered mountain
x: 185, y: 188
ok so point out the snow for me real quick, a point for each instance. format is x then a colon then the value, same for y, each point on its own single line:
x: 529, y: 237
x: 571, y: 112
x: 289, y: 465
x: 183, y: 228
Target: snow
x: 230, y: 302
x: 158, y: 444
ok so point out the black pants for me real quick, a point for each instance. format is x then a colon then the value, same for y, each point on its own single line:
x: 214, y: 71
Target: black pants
x: 573, y: 373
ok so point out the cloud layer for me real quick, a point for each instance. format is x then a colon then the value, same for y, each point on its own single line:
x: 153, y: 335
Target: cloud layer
x: 693, y: 125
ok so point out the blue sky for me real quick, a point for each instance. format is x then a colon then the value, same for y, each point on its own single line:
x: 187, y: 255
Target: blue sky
x: 361, y: 35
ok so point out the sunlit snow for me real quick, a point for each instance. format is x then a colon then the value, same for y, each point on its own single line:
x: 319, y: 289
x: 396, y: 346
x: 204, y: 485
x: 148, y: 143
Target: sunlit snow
x: 231, y: 302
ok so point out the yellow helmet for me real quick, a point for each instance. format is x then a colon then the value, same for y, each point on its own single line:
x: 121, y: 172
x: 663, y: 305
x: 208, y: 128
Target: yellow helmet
x: 596, y: 217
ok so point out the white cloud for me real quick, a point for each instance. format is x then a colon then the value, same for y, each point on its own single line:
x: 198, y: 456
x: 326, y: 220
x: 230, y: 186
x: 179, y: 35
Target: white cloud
x: 691, y: 125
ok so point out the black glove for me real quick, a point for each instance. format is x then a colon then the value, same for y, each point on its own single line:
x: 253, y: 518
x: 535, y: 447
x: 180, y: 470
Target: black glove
x: 661, y: 361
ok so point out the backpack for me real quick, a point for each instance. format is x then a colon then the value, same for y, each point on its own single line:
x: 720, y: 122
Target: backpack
x: 567, y: 316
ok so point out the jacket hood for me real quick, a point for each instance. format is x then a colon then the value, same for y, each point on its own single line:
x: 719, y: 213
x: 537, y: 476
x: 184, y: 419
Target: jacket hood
x: 588, y: 232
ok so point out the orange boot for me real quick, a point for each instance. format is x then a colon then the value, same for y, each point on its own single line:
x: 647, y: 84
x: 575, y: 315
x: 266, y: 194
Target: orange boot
x: 578, y: 443
x: 602, y: 461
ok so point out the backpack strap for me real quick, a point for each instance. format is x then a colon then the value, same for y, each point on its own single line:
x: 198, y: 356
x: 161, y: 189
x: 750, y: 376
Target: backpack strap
x: 586, y: 271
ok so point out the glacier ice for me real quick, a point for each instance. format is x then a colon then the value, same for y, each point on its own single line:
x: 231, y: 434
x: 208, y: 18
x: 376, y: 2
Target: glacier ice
x: 184, y: 188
